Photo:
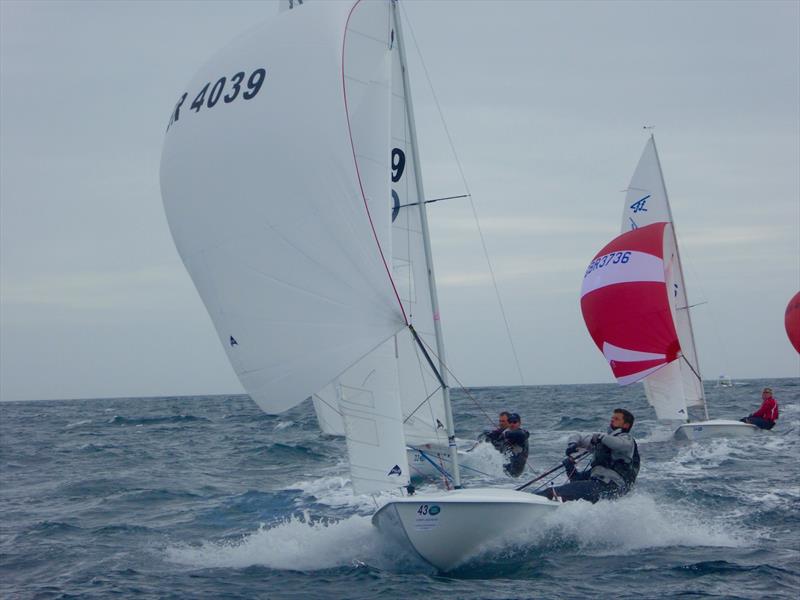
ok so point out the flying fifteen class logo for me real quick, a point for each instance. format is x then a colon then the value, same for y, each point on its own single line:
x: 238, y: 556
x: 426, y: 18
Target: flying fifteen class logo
x: 640, y: 205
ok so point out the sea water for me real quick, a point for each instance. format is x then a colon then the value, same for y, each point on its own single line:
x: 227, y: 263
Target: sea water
x: 207, y: 497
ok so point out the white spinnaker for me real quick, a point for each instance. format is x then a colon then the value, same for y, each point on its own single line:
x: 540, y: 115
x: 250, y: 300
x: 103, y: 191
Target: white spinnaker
x: 276, y: 200
x: 670, y: 389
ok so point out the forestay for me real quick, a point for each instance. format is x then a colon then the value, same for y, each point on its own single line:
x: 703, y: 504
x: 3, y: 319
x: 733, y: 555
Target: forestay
x: 646, y: 202
x: 274, y: 180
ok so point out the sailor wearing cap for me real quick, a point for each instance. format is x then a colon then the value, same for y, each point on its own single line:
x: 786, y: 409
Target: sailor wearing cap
x: 515, y: 446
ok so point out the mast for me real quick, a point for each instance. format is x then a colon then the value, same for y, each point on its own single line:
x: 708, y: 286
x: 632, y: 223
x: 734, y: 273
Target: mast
x: 680, y: 268
x: 448, y: 411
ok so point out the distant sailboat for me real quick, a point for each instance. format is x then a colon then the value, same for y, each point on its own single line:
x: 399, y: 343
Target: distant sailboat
x: 291, y: 181
x: 724, y: 381
x: 635, y: 305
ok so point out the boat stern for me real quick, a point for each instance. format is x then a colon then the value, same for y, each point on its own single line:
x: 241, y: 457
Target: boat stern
x: 713, y: 429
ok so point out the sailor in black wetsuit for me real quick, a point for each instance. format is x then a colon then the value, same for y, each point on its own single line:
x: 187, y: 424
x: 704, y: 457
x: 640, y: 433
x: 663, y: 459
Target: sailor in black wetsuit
x: 495, y: 436
x: 515, y: 446
x: 614, y: 466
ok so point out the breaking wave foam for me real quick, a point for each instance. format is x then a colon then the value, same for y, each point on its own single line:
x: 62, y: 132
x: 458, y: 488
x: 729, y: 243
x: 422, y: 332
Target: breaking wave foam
x: 297, y: 544
x: 635, y: 523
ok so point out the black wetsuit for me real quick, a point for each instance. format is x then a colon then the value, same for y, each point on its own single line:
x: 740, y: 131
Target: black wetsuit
x: 494, y: 437
x: 515, y: 448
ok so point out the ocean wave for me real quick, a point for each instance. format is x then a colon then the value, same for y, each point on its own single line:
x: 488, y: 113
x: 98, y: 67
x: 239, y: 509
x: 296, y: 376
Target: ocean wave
x: 280, y: 451
x: 91, y: 447
x: 177, y: 419
x: 123, y: 528
x: 48, y: 528
x: 573, y: 423
x: 99, y: 487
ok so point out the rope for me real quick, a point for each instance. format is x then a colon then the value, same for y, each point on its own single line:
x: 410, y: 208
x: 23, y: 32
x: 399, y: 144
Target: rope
x: 466, y: 391
x: 471, y: 202
x: 425, y: 456
x: 411, y: 414
x: 445, y: 475
x: 460, y: 385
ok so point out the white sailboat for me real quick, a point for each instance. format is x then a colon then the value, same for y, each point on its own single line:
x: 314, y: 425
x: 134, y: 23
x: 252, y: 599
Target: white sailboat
x: 291, y: 182
x: 678, y: 385
x: 724, y: 381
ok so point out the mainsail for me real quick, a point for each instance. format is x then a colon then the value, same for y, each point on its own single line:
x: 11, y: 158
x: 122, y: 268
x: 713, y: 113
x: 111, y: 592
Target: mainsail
x: 422, y: 405
x: 646, y: 202
x: 275, y: 182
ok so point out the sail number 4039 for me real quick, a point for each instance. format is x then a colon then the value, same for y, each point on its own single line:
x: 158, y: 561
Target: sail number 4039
x: 212, y: 92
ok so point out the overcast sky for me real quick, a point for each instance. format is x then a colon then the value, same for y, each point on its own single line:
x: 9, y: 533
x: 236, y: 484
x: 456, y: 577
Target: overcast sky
x: 545, y: 103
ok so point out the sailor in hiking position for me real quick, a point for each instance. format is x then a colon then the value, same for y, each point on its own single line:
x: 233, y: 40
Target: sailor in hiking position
x: 515, y: 446
x: 614, y: 466
x: 767, y: 414
x: 495, y: 436
x: 510, y: 440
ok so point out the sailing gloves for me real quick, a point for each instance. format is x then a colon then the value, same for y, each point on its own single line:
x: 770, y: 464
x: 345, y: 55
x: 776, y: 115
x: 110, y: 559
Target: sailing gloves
x: 572, y: 448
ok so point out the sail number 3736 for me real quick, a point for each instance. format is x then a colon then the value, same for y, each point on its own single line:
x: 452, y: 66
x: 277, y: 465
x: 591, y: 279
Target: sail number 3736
x: 240, y: 85
x: 608, y: 259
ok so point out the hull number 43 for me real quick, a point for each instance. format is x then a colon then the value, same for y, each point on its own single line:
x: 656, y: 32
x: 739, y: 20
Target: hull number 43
x: 425, y: 509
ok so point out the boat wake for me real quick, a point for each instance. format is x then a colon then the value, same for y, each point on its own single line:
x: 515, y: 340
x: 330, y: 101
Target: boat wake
x: 303, y: 543
x: 300, y: 544
x: 633, y: 523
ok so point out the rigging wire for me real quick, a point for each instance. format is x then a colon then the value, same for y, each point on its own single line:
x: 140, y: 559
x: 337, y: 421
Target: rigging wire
x: 464, y: 389
x: 460, y: 385
x: 469, y: 194
x: 411, y: 414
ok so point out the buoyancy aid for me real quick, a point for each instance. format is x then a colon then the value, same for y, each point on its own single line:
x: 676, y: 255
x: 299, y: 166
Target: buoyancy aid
x: 628, y: 470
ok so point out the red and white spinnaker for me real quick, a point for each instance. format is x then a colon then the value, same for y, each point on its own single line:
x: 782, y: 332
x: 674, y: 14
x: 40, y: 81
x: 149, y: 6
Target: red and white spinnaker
x: 625, y: 300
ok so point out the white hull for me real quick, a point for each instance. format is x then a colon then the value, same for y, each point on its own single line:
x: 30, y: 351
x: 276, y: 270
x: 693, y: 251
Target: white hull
x: 447, y: 528
x: 702, y: 430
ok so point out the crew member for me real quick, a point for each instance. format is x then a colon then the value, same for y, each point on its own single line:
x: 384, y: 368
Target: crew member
x: 766, y: 416
x: 515, y: 446
x: 495, y: 436
x: 614, y: 466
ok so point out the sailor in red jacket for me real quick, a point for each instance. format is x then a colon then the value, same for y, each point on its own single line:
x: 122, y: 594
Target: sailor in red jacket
x: 766, y: 416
